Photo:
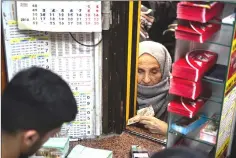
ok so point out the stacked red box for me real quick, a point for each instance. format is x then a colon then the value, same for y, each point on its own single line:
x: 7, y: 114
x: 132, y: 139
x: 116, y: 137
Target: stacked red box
x: 195, y: 64
x: 197, y: 32
x: 200, y: 12
x: 185, y: 88
x: 185, y: 107
x: 199, y: 24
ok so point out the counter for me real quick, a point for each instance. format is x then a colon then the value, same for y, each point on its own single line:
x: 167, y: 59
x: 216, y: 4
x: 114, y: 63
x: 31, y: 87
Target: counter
x: 121, y: 144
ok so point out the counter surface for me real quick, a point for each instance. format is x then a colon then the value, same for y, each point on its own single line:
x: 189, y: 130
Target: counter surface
x: 121, y: 144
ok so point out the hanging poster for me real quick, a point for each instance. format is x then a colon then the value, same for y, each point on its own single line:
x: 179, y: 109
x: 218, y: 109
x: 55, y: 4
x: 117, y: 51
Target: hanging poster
x: 229, y: 104
x: 60, y: 53
x: 228, y: 113
x: 231, y: 79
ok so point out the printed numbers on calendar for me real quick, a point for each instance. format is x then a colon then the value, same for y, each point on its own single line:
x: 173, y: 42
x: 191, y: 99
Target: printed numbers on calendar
x: 24, y: 4
x: 70, y: 17
x: 52, y: 17
x: 43, y: 15
x: 35, y: 14
x: 61, y: 17
x: 24, y: 19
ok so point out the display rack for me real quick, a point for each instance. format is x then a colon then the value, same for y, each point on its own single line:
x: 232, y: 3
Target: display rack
x: 222, y: 99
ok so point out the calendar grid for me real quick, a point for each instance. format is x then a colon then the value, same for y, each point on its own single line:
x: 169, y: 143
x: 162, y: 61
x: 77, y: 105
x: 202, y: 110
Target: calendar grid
x: 53, y: 16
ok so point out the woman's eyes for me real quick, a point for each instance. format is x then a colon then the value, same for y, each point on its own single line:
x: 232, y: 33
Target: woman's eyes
x: 155, y: 71
x: 140, y: 71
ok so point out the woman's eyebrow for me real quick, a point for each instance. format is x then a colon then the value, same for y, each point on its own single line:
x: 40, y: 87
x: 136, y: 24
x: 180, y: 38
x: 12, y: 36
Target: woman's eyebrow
x: 140, y: 68
x: 155, y: 68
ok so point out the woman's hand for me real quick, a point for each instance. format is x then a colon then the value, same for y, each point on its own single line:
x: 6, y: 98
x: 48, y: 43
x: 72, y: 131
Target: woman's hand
x: 153, y: 124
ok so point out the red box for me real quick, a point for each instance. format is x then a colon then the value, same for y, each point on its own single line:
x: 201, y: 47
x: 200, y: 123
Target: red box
x: 198, y: 11
x: 195, y: 64
x: 194, y: 31
x: 185, y: 107
x: 185, y: 88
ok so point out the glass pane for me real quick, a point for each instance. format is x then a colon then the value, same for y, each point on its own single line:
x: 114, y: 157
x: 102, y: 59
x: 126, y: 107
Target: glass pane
x: 208, y: 110
x: 194, y: 135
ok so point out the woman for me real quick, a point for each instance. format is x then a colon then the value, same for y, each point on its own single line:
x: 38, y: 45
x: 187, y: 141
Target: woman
x: 154, y: 66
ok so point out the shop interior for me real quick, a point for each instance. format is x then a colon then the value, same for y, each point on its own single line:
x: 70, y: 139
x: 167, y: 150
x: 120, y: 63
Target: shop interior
x: 163, y: 76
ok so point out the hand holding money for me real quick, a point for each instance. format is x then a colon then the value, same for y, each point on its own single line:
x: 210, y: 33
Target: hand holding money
x: 146, y: 117
x: 148, y: 111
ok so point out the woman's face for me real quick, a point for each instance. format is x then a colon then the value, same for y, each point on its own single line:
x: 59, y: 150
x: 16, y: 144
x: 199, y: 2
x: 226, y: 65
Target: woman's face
x: 149, y: 72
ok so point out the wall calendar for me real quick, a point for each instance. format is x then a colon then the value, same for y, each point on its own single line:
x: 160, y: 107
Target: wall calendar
x: 59, y: 16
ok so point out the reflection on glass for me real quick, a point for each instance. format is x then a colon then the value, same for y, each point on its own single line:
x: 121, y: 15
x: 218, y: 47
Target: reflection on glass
x: 154, y: 64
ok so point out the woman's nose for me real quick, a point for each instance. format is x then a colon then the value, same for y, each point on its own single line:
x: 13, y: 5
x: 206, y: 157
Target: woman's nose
x: 146, y: 79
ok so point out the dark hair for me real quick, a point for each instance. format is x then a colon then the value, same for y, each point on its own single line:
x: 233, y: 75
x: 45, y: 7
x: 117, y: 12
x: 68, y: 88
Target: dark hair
x: 37, y: 99
x: 179, y: 152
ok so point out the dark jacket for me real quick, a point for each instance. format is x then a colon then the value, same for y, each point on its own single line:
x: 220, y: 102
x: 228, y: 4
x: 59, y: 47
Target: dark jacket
x: 164, y: 13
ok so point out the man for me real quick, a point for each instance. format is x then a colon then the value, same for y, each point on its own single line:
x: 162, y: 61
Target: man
x: 35, y: 104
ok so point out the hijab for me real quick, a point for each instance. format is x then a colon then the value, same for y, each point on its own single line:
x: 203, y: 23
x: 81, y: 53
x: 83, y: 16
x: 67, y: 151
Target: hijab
x: 155, y: 95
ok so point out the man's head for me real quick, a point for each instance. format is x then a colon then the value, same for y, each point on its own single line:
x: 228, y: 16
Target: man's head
x: 35, y: 104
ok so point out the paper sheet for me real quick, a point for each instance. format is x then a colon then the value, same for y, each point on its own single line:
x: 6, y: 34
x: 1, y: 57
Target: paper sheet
x: 85, y: 152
